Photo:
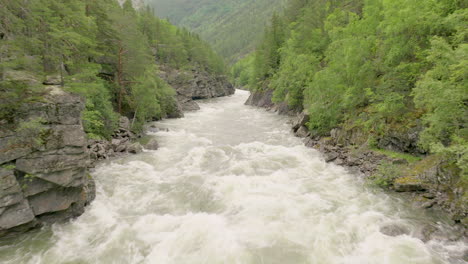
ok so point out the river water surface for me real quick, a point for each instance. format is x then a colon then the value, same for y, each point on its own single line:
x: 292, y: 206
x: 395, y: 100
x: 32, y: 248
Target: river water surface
x: 232, y: 185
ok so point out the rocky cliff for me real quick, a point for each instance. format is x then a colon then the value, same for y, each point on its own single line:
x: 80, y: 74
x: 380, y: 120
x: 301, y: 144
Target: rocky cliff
x: 195, y: 85
x: 43, y: 163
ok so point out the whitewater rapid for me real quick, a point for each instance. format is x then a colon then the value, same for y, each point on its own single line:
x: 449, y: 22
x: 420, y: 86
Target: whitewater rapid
x: 232, y: 185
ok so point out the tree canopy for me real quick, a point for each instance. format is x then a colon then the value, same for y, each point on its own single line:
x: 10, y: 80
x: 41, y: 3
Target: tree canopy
x: 107, y: 52
x: 377, y: 64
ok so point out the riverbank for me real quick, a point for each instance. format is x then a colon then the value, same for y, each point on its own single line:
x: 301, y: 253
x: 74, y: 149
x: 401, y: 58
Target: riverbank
x: 426, y: 181
x: 231, y: 184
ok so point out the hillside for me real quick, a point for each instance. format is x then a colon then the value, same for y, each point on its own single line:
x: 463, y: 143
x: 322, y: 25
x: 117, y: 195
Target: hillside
x: 232, y: 27
x: 389, y: 76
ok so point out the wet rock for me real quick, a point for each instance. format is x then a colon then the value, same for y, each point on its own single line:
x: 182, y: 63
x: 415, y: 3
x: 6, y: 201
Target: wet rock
x: 302, y: 132
x: 428, y: 204
x: 394, y: 230
x: 190, y: 106
x: 340, y: 162
x: 154, y: 129
x: 54, y: 200
x: 309, y: 142
x: 425, y: 232
x: 301, y: 121
x: 152, y: 144
x: 331, y: 156
x: 120, y: 148
x: 16, y: 215
x: 135, y: 148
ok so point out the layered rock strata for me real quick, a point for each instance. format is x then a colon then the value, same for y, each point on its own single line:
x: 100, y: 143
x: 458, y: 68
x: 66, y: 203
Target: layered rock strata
x: 43, y: 163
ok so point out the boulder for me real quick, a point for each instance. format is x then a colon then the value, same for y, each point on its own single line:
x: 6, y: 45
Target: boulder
x: 302, y: 132
x: 152, y: 144
x: 394, y: 230
x: 301, y: 121
x: 135, y: 148
x: 190, y: 106
x: 124, y: 123
x: 331, y: 156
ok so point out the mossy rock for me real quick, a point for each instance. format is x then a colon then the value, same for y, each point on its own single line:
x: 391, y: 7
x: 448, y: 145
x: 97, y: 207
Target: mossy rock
x: 426, y: 169
x: 409, y: 183
x: 419, y: 176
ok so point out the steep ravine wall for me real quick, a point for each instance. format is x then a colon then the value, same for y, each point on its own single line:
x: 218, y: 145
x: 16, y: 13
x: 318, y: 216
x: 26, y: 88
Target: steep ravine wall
x: 195, y: 85
x: 43, y: 163
x: 430, y: 182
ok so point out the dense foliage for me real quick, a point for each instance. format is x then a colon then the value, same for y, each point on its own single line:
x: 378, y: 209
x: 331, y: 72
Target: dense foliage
x: 106, y: 52
x: 231, y: 26
x: 377, y: 64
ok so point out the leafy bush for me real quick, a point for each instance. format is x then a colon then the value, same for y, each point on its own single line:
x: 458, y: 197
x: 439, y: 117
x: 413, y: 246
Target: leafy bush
x: 386, y: 175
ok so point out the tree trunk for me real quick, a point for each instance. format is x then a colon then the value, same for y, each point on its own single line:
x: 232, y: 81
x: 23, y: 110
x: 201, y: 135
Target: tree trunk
x: 120, y: 78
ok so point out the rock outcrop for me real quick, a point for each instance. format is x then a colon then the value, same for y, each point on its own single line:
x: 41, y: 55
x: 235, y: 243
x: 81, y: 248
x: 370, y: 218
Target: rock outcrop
x: 43, y: 163
x: 195, y: 85
x: 264, y: 99
x: 122, y: 142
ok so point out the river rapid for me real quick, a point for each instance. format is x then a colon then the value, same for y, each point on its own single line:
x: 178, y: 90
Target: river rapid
x: 232, y: 185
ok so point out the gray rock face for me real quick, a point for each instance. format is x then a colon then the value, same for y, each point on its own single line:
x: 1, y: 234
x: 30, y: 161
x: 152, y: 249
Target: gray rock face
x: 43, y: 169
x: 261, y: 99
x: 402, y: 141
x: 195, y: 85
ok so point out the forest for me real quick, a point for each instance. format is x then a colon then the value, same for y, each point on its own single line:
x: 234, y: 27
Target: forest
x: 106, y: 52
x: 231, y: 26
x: 375, y: 65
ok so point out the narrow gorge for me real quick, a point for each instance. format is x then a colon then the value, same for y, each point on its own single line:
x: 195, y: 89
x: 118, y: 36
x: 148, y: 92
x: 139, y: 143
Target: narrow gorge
x: 286, y: 132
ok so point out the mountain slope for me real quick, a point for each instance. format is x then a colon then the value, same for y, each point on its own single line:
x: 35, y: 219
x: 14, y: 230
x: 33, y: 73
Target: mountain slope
x: 233, y: 27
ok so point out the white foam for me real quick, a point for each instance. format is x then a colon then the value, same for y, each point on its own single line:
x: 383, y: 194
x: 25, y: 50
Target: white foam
x: 230, y: 184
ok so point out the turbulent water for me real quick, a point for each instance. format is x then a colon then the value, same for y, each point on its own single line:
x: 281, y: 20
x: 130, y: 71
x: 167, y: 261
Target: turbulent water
x: 232, y: 185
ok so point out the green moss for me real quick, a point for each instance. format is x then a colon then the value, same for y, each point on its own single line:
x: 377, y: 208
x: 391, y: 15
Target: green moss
x: 28, y: 178
x: 423, y: 165
x: 406, y: 180
x: 398, y: 155
x: 9, y: 166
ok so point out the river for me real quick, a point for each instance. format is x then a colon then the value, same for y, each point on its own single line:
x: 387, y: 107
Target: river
x: 232, y: 185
